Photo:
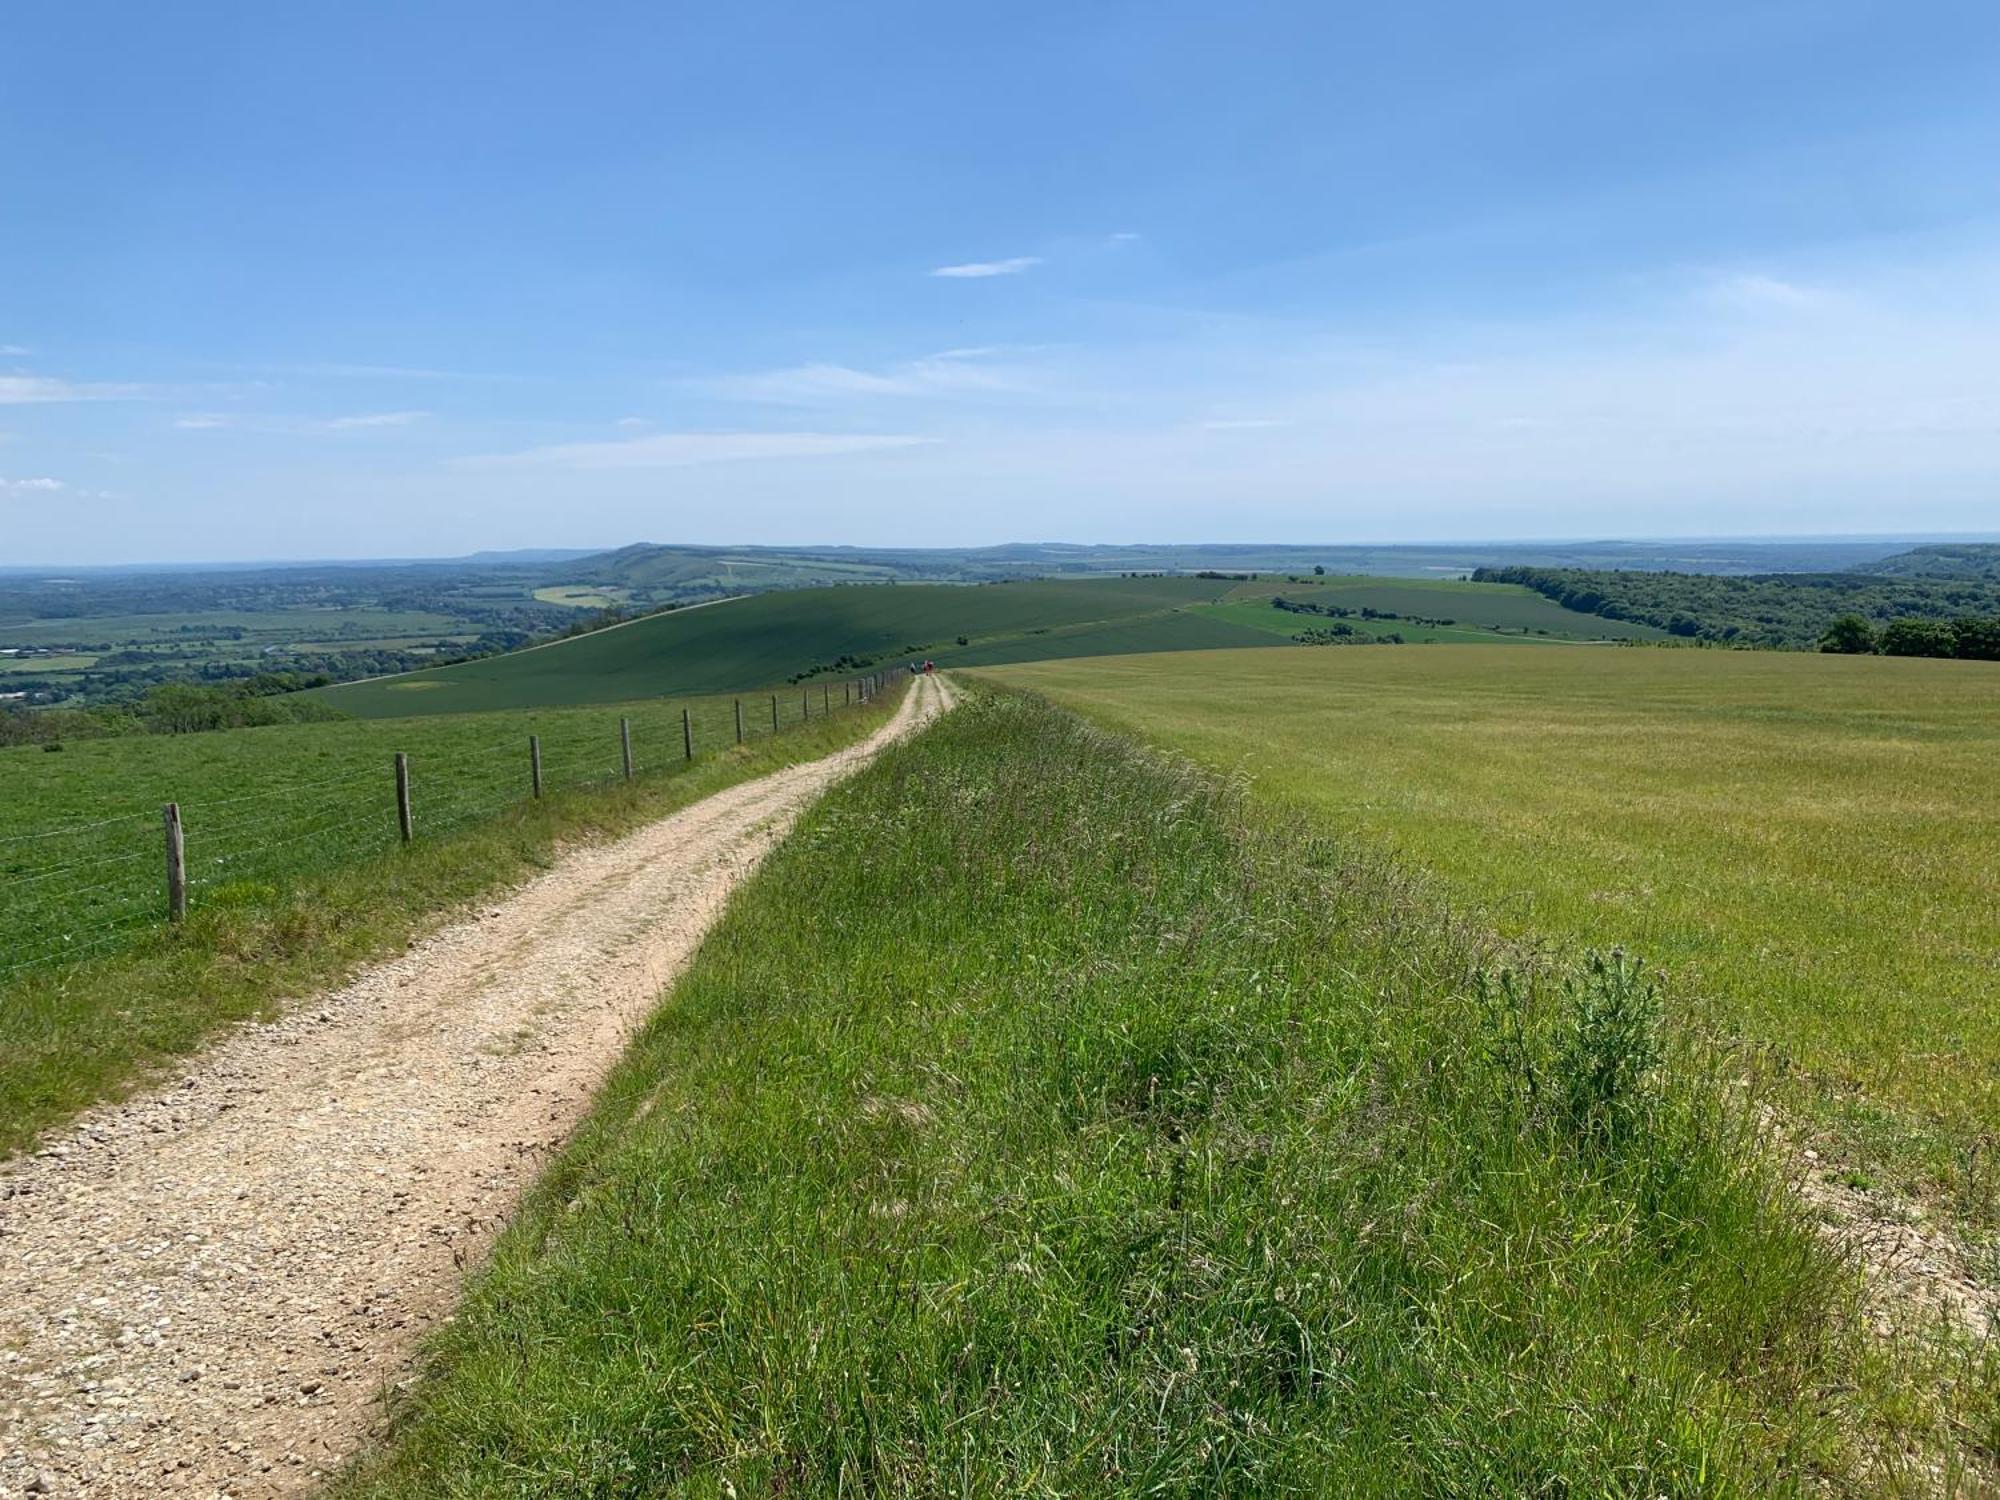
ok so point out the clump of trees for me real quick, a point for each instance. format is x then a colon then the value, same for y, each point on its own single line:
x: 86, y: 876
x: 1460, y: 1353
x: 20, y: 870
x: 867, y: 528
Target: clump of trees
x: 1971, y: 638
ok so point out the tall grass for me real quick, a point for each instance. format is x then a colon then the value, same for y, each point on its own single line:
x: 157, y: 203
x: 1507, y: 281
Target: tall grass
x: 1809, y: 845
x: 1038, y: 1122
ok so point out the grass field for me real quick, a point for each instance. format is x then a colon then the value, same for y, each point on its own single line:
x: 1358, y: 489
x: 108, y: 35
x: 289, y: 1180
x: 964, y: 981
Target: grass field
x: 1478, y: 612
x: 1811, y: 841
x: 581, y: 596
x: 771, y: 637
x: 286, y: 828
x: 1036, y: 1123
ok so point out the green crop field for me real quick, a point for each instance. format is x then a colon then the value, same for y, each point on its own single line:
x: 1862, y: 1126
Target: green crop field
x: 1463, y: 612
x: 1037, y: 1122
x: 768, y: 638
x: 1811, y: 842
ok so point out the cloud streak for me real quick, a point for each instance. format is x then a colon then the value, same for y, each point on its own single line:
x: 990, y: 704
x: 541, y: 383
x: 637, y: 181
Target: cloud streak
x: 372, y: 419
x: 40, y: 390
x: 979, y: 269
x: 953, y: 372
x: 679, y: 450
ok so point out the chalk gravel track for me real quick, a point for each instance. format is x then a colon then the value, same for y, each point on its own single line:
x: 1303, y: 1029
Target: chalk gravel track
x: 205, y: 1290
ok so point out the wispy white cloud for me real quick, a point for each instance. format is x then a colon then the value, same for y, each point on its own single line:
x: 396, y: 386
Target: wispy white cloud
x: 950, y: 372
x: 35, y: 390
x: 209, y: 421
x: 1755, y: 292
x: 633, y: 423
x: 42, y: 487
x: 372, y: 419
x: 973, y: 270
x: 14, y: 351
x: 676, y: 450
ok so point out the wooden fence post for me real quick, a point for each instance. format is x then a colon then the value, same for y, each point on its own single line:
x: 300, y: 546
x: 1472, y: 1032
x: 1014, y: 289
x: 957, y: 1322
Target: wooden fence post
x: 846, y: 694
x: 687, y: 736
x: 535, y: 763
x: 403, y: 796
x: 774, y: 713
x: 739, y: 721
x: 825, y: 699
x: 625, y: 745
x: 177, y: 874
x: 805, y: 704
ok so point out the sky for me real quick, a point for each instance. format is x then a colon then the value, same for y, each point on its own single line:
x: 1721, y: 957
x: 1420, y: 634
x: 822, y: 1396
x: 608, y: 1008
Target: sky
x: 350, y: 279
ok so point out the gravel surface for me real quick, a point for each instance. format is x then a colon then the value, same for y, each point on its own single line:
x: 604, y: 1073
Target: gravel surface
x: 204, y: 1290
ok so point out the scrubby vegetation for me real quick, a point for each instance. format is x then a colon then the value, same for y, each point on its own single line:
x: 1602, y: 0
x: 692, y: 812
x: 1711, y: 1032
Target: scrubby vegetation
x: 1091, y: 1136
x: 175, y: 708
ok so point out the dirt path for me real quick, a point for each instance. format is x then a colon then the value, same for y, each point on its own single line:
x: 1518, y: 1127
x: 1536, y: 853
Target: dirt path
x: 203, y: 1290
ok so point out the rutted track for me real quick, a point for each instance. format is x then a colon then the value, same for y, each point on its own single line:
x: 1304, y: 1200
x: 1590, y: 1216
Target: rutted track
x: 203, y: 1290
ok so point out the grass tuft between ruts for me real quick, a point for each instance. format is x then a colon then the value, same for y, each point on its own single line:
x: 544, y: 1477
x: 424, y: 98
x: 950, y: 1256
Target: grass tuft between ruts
x: 1037, y: 1122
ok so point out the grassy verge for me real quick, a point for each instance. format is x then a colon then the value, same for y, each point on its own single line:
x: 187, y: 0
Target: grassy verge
x: 1038, y: 1122
x: 95, y: 1029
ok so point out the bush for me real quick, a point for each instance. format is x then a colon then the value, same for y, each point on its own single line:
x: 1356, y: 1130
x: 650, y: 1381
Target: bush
x: 1850, y: 635
x: 1978, y: 640
x: 1919, y: 638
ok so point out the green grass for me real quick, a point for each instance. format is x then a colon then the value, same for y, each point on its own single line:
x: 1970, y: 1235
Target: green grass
x: 1040, y: 1121
x: 1479, y: 611
x: 1192, y: 629
x: 769, y: 638
x: 1812, y: 843
x: 295, y: 870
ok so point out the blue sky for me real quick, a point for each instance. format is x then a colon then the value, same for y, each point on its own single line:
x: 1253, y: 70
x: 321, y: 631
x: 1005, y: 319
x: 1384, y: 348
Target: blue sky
x: 350, y: 279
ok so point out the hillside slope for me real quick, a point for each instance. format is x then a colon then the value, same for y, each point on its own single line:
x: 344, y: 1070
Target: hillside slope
x: 771, y: 638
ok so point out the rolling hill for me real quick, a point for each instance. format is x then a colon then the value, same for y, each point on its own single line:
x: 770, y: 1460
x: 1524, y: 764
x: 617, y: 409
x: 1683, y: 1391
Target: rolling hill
x: 775, y: 637
x: 781, y: 636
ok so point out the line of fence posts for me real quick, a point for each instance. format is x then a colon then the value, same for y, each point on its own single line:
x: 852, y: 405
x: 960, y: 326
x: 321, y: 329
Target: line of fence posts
x: 856, y: 690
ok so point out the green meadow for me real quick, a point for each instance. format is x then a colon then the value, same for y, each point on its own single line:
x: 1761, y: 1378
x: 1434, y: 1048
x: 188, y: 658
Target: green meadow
x: 295, y: 869
x: 1809, y: 845
x: 1043, y: 1119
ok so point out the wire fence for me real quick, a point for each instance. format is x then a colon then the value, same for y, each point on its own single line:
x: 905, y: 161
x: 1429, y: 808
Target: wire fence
x: 249, y: 828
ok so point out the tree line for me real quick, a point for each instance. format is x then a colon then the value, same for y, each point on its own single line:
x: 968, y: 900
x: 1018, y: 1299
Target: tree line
x: 1775, y: 610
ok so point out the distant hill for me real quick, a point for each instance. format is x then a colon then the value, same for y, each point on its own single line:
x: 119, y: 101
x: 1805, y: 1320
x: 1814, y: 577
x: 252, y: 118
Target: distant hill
x: 1949, y: 560
x: 659, y: 574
